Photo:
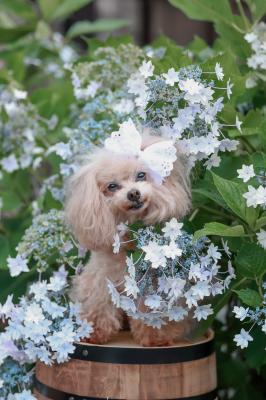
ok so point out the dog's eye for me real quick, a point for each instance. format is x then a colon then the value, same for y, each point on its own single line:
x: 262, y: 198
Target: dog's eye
x: 141, y: 176
x: 112, y: 186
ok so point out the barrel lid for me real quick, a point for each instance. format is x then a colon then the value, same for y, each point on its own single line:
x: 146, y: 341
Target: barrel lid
x: 123, y: 350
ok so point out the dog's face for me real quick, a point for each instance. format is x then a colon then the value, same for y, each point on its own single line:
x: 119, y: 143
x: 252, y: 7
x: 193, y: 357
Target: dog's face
x: 114, y: 188
x: 127, y: 187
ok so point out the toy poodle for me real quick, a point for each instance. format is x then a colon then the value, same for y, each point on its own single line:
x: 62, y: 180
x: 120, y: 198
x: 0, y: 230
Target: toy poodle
x: 110, y: 189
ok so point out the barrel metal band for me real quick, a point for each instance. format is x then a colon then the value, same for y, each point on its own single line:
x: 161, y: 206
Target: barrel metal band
x: 55, y: 394
x: 144, y: 355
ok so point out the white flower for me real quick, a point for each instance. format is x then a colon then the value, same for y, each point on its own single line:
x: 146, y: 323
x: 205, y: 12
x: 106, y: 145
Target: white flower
x: 172, y: 251
x: 34, y: 313
x: 177, y: 314
x: 264, y: 327
x: 116, y: 244
x: 52, y: 308
x: 20, y: 94
x: 61, y: 149
x: 240, y: 312
x: 219, y: 71
x: 131, y: 287
x: 238, y: 124
x: 153, y: 301
x: 229, y: 87
x: 172, y: 229
x: 154, y: 254
x: 213, y: 252
x: 131, y: 266
x: 261, y: 236
x: 56, y: 284
x: 24, y: 395
x: 251, y: 82
x: 246, y: 172
x: 190, y: 86
x: 171, y: 77
x: 146, y: 69
x: 10, y: 163
x: 250, y: 37
x: 17, y: 265
x: 1, y: 383
x: 7, y: 308
x: 194, y: 272
x: 200, y: 290
x: 243, y: 338
x: 191, y: 300
x: 39, y: 289
x: 255, y: 197
x: 124, y: 106
x: 228, y: 145
x: 136, y: 84
x: 127, y: 304
x: 213, y: 161
x: 115, y: 296
x: 203, y: 312
x: 176, y: 286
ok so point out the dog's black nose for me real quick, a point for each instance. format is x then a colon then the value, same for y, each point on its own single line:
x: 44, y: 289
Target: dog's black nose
x: 133, y: 195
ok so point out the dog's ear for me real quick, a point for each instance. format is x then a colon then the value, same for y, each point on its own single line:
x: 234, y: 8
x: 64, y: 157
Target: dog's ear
x: 87, y: 212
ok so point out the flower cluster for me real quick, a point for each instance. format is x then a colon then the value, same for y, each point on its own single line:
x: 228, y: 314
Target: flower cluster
x: 182, y: 105
x: 21, y: 130
x: 255, y: 316
x: 47, y: 242
x: 42, y: 326
x: 170, y: 276
x: 257, y: 40
x: 15, y: 380
x: 256, y: 194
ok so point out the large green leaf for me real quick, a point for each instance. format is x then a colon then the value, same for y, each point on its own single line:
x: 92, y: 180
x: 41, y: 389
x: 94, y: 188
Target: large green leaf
x: 101, y: 25
x: 251, y: 260
x: 232, y: 193
x: 205, y: 10
x: 249, y: 297
x: 218, y: 229
x: 68, y: 7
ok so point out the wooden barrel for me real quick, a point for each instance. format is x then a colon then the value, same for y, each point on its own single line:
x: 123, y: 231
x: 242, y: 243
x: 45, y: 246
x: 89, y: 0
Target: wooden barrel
x: 123, y: 370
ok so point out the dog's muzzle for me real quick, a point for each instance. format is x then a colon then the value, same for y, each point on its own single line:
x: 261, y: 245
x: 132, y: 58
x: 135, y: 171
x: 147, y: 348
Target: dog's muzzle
x: 134, y: 197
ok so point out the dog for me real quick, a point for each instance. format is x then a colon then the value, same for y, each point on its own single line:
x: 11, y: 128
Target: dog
x: 110, y: 189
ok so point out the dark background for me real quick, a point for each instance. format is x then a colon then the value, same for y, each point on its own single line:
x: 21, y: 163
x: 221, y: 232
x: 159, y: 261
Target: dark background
x: 147, y: 19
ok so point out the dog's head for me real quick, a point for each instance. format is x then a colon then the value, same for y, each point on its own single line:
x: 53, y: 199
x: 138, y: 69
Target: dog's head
x: 113, y: 188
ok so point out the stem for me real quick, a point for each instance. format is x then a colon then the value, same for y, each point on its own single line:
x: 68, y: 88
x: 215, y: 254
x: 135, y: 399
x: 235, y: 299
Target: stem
x: 216, y: 212
x: 242, y: 13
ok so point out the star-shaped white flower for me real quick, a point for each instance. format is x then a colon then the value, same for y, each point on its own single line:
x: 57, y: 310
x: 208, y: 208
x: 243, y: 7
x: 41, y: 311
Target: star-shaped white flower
x: 172, y: 250
x: 246, y: 172
x: 17, y: 265
x: 146, y: 69
x: 242, y: 339
x: 261, y: 236
x: 219, y: 71
x: 203, y: 312
x: 172, y: 229
x: 171, y: 77
x: 154, y: 254
x: 240, y: 312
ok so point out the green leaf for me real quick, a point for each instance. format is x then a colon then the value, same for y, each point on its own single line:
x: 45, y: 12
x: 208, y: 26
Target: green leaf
x: 260, y: 223
x: 232, y: 193
x: 48, y: 7
x: 68, y: 7
x: 257, y: 8
x: 101, y: 25
x: 218, y: 229
x: 205, y: 10
x: 249, y: 297
x: 4, y: 251
x: 251, y: 260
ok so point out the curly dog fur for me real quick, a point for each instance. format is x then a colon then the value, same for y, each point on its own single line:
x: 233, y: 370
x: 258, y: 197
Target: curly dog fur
x: 94, y: 211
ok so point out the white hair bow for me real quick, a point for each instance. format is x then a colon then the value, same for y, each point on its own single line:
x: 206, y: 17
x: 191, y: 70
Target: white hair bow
x: 159, y: 157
